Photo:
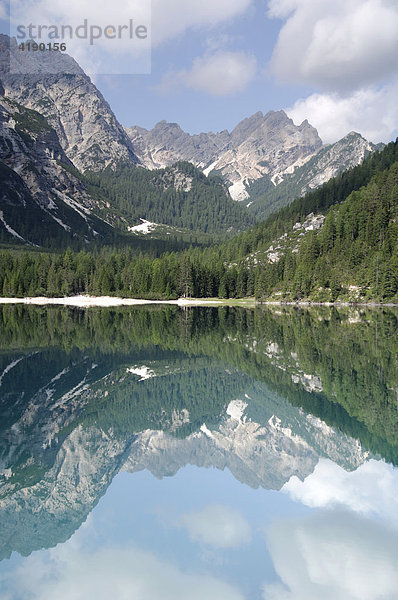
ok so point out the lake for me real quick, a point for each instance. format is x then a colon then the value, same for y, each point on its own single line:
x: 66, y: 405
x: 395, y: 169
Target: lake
x: 166, y: 453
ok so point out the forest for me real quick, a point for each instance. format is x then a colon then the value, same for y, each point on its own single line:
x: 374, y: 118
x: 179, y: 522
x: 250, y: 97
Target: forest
x: 353, y: 256
x: 180, y: 196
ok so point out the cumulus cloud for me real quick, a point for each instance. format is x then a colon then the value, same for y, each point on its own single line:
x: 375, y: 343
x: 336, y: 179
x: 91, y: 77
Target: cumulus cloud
x: 103, y: 42
x: 337, y: 45
x: 372, y: 111
x: 217, y: 526
x: 175, y: 17
x: 170, y: 18
x: 333, y: 557
x: 370, y: 490
x: 120, y: 573
x: 164, y: 20
x: 220, y: 74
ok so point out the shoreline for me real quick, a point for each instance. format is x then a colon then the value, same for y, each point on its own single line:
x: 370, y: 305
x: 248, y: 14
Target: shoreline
x: 83, y: 301
x: 103, y: 301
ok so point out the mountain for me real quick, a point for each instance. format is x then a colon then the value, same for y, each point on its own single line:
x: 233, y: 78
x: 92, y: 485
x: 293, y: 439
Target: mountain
x: 46, y: 201
x: 87, y: 178
x: 336, y: 244
x: 41, y: 201
x: 88, y: 131
x: 67, y: 161
x: 69, y: 425
x: 260, y: 145
x: 268, y: 196
x: 86, y: 395
x: 179, y: 196
x: 266, y: 161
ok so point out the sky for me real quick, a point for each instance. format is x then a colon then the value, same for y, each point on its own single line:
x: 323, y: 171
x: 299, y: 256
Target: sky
x: 202, y: 534
x: 216, y: 62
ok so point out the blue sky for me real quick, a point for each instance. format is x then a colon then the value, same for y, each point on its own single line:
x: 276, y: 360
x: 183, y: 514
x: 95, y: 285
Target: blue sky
x: 215, y: 62
x: 145, y: 100
x: 202, y: 534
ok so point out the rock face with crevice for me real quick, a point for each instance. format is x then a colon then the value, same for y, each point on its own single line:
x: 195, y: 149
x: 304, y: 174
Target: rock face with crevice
x: 87, y: 129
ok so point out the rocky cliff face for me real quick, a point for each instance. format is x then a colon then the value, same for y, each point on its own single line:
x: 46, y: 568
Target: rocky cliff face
x: 263, y: 454
x: 267, y: 149
x: 268, y: 195
x: 88, y: 130
x: 348, y: 152
x: 39, y: 189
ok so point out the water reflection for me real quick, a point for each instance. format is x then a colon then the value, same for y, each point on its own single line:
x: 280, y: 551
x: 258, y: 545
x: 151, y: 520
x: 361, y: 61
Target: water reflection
x: 299, y: 406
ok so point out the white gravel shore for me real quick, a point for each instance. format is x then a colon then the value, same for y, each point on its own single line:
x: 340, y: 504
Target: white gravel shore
x: 104, y: 301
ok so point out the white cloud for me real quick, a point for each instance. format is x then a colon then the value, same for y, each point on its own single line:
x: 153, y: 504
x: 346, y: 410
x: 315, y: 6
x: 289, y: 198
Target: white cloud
x: 95, y: 51
x: 217, y: 526
x: 372, y: 489
x: 337, y: 45
x: 333, y: 557
x: 372, y: 112
x: 172, y: 18
x: 3, y: 9
x: 120, y: 573
x: 281, y: 9
x: 220, y: 74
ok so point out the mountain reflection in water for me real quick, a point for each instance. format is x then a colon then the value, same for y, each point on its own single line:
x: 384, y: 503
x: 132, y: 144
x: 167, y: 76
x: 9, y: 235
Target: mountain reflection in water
x: 299, y: 406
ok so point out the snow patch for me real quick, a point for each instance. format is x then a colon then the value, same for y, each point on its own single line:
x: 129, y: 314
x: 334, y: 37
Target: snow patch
x: 66, y: 227
x: 61, y: 374
x: 206, y: 431
x: 145, y: 227
x: 10, y: 229
x: 8, y: 369
x: 235, y: 409
x: 79, y: 208
x: 210, y: 168
x: 143, y: 372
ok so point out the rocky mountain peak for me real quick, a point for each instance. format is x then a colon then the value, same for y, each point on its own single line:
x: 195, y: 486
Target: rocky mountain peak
x: 259, y: 145
x: 54, y: 85
x: 247, y: 127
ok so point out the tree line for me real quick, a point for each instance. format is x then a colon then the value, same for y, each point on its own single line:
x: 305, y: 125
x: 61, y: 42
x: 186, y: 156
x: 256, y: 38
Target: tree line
x: 356, y: 246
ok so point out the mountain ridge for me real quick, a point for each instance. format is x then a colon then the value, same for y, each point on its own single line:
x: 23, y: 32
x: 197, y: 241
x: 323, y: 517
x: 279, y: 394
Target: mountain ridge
x: 266, y: 161
x: 262, y: 152
x: 87, y: 128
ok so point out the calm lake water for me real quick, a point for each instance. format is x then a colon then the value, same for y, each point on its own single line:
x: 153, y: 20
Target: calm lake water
x: 207, y: 453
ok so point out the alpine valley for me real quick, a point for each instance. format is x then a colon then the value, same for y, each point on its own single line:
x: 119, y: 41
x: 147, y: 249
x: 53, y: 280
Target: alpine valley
x: 73, y: 176
x: 198, y: 331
